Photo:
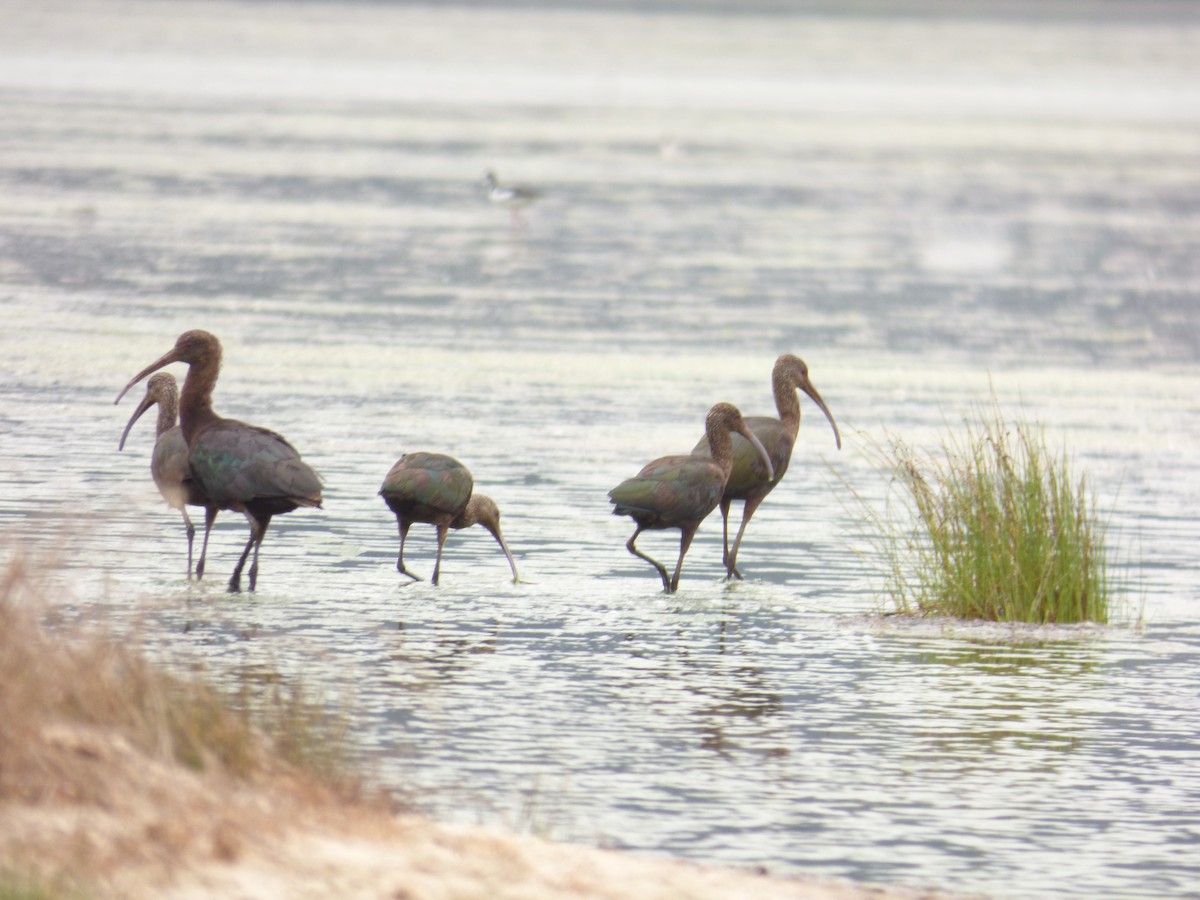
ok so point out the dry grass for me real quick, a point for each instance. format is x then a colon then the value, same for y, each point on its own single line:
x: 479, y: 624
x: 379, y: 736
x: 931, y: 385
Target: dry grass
x: 120, y: 781
x: 88, y: 727
x: 99, y: 681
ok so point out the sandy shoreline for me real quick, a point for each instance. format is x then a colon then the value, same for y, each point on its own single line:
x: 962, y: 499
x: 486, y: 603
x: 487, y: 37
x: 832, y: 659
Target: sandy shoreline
x: 102, y: 818
x: 119, y: 779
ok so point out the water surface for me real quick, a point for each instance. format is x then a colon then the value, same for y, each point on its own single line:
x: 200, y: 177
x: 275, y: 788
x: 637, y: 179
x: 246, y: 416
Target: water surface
x: 928, y: 209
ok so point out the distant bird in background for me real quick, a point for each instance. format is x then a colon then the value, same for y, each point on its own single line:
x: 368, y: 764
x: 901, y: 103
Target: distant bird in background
x: 515, y: 196
x: 750, y: 481
x: 169, y: 462
x: 438, y: 490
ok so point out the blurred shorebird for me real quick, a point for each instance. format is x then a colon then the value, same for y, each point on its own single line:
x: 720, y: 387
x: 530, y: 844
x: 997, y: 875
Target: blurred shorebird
x: 515, y: 196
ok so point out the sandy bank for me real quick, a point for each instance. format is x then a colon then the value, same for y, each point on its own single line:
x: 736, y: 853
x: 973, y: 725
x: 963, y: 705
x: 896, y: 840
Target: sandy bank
x: 94, y: 813
x: 119, y: 779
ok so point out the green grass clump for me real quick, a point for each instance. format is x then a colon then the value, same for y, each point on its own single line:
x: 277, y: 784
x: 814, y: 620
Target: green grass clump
x: 1000, y: 530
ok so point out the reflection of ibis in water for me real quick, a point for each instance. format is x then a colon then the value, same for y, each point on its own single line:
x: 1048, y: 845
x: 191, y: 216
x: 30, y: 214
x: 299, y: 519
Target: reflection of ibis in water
x: 679, y: 491
x: 750, y: 481
x: 169, y: 463
x: 238, y: 466
x: 437, y: 489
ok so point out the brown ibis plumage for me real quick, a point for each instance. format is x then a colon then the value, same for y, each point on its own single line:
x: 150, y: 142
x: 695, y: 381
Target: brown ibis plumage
x: 169, y: 461
x: 750, y: 481
x: 438, y: 490
x: 240, y: 467
x: 679, y: 491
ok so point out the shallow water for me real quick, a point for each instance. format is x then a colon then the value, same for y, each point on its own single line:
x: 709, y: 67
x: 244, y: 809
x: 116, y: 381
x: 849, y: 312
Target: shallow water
x: 926, y: 209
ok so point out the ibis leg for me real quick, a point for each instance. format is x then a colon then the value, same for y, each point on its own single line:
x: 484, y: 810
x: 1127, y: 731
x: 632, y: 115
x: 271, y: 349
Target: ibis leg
x: 191, y: 536
x: 685, y: 541
x: 662, y: 572
x: 403, y: 527
x: 257, y: 530
x: 725, y: 503
x: 262, y: 533
x: 748, y: 510
x: 442, y: 531
x: 210, y: 516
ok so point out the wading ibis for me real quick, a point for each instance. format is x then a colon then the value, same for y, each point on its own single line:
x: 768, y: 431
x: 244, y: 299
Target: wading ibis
x: 750, y: 481
x: 169, y: 462
x: 437, y: 489
x: 679, y: 491
x: 238, y: 466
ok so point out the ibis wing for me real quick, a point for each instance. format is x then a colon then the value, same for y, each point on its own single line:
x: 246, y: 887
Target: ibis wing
x: 671, y: 489
x: 237, y: 463
x: 433, y: 481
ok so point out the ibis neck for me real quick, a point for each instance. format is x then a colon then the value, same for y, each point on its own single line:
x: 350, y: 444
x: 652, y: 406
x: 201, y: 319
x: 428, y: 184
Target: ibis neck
x: 195, y: 406
x: 168, y: 411
x: 468, y: 517
x: 786, y: 402
x: 720, y: 446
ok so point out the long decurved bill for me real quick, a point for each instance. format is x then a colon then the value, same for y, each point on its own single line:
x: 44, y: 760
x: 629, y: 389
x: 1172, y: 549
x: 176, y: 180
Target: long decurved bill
x: 165, y: 360
x: 808, y: 388
x: 146, y: 403
x: 749, y: 435
x: 512, y: 564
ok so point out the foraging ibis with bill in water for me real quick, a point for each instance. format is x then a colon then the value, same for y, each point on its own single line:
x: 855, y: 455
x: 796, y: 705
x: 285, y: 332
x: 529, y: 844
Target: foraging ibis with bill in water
x: 438, y: 490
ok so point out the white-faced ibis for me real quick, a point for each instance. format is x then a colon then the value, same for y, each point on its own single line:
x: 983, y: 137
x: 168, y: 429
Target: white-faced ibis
x: 750, y: 481
x: 679, y: 491
x: 437, y: 489
x: 238, y: 466
x: 515, y: 196
x: 169, y: 462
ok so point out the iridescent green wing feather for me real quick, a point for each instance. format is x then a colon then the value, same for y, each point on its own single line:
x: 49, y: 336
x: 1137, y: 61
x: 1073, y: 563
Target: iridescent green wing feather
x: 434, y: 481
x: 237, y: 463
x: 674, y: 488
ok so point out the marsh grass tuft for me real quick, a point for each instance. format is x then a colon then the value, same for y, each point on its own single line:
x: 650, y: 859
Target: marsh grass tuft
x: 999, y: 529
